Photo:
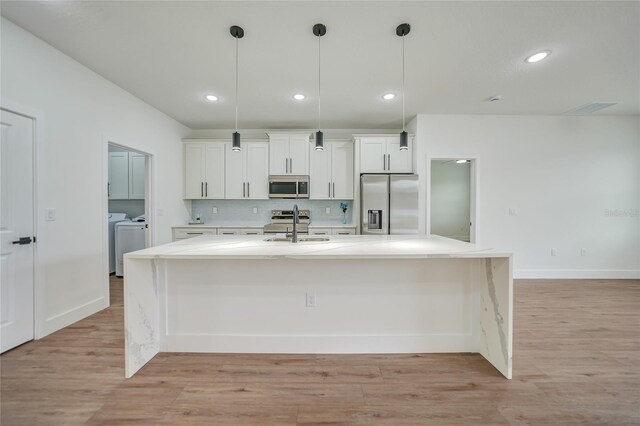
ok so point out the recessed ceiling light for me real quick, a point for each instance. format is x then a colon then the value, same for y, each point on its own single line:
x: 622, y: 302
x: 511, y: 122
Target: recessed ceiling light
x: 211, y: 98
x: 388, y: 96
x: 537, y: 57
x: 462, y: 161
x: 298, y: 96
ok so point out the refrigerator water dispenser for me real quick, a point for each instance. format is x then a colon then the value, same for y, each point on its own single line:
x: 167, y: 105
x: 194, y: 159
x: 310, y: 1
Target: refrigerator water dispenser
x: 375, y: 219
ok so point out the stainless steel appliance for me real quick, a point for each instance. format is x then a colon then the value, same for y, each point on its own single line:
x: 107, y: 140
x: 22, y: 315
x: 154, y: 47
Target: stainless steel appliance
x: 288, y: 186
x: 389, y: 204
x: 282, y: 222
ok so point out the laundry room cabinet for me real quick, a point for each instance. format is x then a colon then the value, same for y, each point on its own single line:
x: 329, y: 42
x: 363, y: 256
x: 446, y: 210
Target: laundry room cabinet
x: 381, y: 154
x: 289, y: 153
x: 331, y: 171
x: 204, y: 176
x: 127, y: 174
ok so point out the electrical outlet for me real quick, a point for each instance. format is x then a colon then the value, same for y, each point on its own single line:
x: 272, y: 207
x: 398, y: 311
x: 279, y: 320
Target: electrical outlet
x: 215, y: 210
x: 255, y: 210
x: 583, y: 251
x: 327, y: 210
x: 311, y: 300
x: 51, y: 215
x: 513, y: 211
x: 554, y: 252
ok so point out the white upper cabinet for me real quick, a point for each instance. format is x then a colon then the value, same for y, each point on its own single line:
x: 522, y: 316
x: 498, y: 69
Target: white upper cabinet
x: 381, y: 154
x: 289, y: 154
x: 331, y: 172
x: 204, y: 170
x: 118, y: 175
x: 126, y: 175
x: 247, y: 174
x: 137, y: 175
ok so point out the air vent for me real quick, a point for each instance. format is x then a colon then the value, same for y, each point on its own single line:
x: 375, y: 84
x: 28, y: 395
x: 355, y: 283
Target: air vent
x: 590, y: 108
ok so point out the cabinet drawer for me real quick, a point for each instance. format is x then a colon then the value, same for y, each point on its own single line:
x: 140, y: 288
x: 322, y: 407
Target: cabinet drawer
x: 182, y: 233
x: 343, y: 231
x: 319, y: 231
x: 251, y: 231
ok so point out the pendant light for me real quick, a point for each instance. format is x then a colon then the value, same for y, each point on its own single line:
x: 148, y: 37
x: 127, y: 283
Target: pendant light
x: 319, y: 30
x: 237, y: 33
x: 401, y: 31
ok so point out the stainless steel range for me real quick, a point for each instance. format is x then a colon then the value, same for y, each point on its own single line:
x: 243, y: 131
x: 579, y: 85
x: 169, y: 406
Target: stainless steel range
x: 282, y: 222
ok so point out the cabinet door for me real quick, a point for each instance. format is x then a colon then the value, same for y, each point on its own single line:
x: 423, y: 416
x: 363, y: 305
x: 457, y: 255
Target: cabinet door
x: 257, y: 170
x: 118, y: 175
x: 194, y: 159
x: 399, y: 161
x: 343, y: 231
x: 373, y: 153
x: 228, y: 231
x: 299, y: 154
x: 137, y: 174
x: 235, y: 186
x: 319, y: 231
x: 320, y: 174
x: 214, y: 171
x: 342, y: 170
x: 279, y: 155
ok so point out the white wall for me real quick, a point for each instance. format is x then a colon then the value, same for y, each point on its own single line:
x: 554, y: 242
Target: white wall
x: 77, y: 112
x: 450, y: 199
x: 575, y: 182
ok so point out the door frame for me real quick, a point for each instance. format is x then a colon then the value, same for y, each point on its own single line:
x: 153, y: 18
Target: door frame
x: 148, y: 197
x: 473, y: 192
x: 38, y: 132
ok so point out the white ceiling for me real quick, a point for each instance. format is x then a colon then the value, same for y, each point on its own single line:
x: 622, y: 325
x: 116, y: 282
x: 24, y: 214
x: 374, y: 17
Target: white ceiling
x: 170, y: 54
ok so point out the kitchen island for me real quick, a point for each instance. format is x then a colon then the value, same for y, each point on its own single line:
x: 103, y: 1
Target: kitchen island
x: 350, y: 294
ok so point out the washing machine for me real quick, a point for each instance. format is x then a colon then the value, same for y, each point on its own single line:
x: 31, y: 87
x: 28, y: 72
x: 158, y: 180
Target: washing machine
x: 130, y: 236
x: 113, y: 219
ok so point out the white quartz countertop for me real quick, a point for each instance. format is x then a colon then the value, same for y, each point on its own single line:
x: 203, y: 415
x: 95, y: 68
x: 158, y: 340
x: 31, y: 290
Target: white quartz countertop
x: 338, y: 247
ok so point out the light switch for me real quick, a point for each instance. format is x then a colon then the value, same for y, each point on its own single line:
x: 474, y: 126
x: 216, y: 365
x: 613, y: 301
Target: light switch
x: 215, y: 210
x: 255, y: 210
x: 554, y: 252
x: 328, y: 210
x: 51, y: 214
x: 513, y: 211
x: 583, y: 251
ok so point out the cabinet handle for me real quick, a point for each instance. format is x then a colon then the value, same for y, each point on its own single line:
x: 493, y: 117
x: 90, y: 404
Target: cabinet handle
x: 248, y: 191
x: 384, y: 162
x: 286, y: 165
x: 206, y: 189
x: 201, y: 189
x: 244, y: 189
x: 108, y: 190
x: 334, y: 190
x: 329, y: 189
x: 388, y: 161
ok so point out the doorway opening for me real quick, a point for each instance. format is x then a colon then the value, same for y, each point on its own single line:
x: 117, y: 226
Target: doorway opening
x: 452, y: 203
x: 128, y: 204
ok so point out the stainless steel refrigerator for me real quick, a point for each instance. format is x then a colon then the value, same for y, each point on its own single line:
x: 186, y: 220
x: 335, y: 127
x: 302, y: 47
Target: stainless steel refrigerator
x: 389, y: 204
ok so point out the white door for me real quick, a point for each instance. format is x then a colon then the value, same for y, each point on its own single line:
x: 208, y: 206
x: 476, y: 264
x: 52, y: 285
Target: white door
x: 257, y: 170
x: 299, y: 154
x: 137, y: 175
x: 373, y: 153
x: 398, y: 161
x: 118, y: 175
x: 342, y: 170
x: 214, y: 171
x: 16, y: 223
x: 235, y: 187
x: 279, y: 155
x: 194, y: 158
x: 320, y: 174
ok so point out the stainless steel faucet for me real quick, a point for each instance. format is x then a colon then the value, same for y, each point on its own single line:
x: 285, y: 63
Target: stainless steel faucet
x: 296, y: 220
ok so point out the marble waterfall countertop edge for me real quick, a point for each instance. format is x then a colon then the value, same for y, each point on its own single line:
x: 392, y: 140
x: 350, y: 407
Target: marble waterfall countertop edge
x: 338, y: 247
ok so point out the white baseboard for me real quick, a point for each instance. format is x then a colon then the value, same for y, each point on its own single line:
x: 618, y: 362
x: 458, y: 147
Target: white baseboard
x: 67, y: 318
x: 576, y: 274
x: 320, y: 344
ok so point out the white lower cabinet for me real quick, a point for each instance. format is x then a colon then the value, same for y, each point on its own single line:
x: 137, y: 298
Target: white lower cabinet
x: 342, y: 230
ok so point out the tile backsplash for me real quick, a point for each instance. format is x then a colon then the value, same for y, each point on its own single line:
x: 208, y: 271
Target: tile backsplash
x: 242, y: 210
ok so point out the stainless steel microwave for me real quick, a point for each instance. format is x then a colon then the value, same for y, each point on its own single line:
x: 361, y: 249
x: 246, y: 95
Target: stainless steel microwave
x: 289, y: 186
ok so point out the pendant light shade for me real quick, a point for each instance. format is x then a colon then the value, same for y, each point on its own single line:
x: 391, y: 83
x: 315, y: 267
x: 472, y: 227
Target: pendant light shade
x: 237, y: 33
x: 319, y: 30
x: 401, y: 31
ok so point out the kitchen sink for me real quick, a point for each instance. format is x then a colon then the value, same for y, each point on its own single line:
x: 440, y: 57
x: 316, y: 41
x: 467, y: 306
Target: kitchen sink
x: 300, y: 239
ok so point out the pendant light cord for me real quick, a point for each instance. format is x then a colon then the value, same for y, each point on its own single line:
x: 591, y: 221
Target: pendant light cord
x: 236, y: 83
x: 403, y: 82
x: 319, y: 59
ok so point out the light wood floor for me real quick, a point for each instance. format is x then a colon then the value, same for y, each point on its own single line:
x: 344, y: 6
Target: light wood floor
x: 576, y: 361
